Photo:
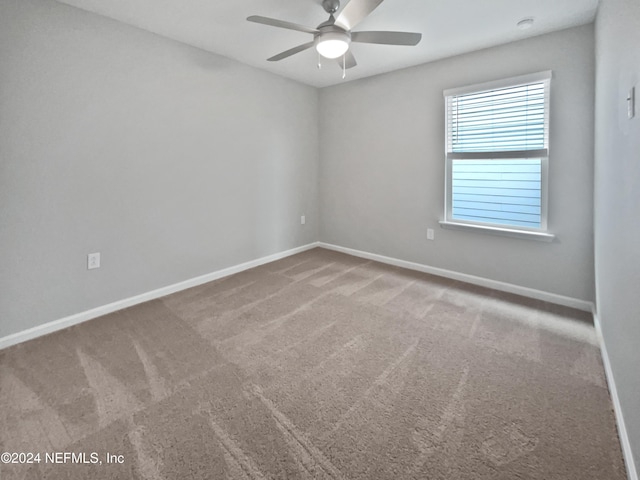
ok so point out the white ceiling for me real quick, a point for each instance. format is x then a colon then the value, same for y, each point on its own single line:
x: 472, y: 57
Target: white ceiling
x: 448, y: 27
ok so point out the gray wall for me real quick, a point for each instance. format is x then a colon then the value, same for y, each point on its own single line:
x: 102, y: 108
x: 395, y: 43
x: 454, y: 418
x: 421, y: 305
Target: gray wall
x: 170, y: 161
x: 617, y: 201
x: 382, y: 166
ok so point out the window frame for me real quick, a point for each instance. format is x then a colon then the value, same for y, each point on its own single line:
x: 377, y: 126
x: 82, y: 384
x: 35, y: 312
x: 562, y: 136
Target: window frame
x: 540, y: 233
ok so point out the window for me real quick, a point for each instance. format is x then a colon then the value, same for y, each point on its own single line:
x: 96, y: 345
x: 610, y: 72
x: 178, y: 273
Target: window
x: 497, y: 144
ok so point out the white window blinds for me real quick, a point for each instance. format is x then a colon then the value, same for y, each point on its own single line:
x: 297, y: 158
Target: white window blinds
x: 507, y: 119
x: 497, y: 143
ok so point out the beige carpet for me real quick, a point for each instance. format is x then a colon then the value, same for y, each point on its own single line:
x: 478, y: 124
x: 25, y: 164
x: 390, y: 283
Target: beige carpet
x: 318, y: 366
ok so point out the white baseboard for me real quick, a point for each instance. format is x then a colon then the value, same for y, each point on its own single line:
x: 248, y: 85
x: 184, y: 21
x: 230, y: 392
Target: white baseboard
x: 463, y: 277
x: 77, y: 318
x: 627, y: 452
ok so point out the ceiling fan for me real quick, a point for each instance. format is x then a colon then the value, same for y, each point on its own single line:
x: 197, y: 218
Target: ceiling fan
x: 333, y: 37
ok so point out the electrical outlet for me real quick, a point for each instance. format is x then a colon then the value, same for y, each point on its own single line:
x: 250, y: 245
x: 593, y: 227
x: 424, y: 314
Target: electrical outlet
x: 303, y: 220
x: 430, y: 234
x: 93, y: 261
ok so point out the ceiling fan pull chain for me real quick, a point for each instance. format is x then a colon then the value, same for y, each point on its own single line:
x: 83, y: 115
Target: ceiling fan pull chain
x: 319, y: 61
x: 344, y: 66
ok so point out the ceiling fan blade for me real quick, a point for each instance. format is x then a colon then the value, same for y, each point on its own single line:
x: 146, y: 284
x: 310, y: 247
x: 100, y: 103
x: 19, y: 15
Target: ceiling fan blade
x: 387, y: 38
x: 350, y: 60
x: 355, y: 11
x: 281, y: 23
x: 291, y: 51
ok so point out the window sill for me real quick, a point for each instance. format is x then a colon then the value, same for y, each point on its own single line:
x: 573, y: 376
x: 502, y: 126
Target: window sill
x: 507, y: 232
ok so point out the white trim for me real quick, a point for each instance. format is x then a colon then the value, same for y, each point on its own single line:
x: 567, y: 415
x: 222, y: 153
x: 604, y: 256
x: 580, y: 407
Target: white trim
x: 77, y: 318
x: 463, y: 277
x: 510, y: 154
x: 501, y: 83
x: 506, y: 232
x: 627, y: 452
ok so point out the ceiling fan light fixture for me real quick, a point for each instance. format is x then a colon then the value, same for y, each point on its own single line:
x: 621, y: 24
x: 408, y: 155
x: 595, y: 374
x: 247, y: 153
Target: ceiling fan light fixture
x: 333, y: 44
